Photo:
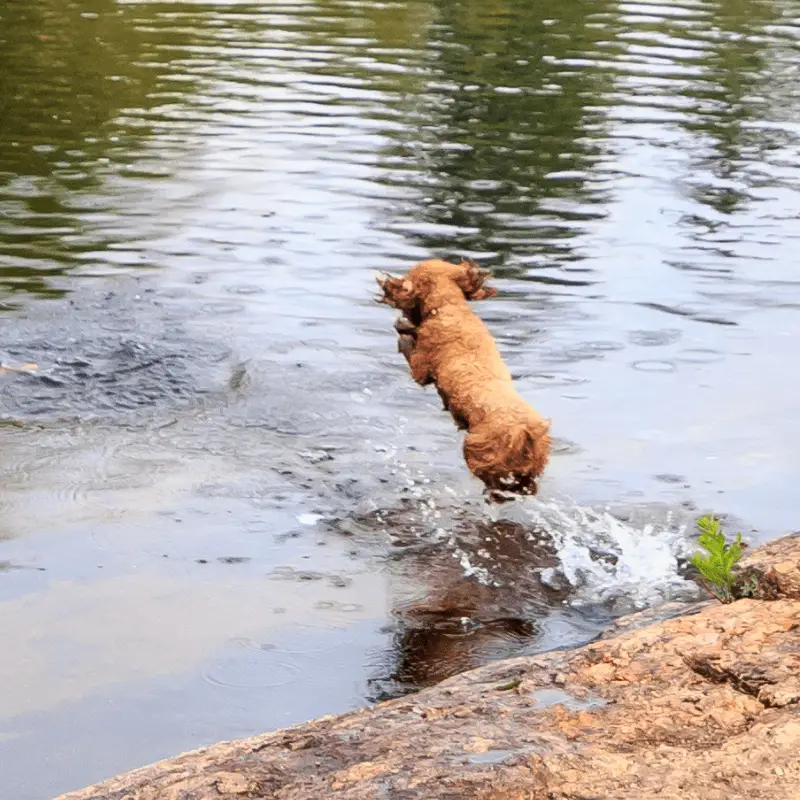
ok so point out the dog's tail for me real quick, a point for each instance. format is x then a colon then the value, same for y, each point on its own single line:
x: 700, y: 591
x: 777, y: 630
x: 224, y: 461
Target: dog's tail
x: 511, y: 460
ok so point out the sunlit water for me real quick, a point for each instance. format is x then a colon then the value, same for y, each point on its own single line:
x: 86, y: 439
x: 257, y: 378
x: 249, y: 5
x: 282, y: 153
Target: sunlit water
x: 225, y: 506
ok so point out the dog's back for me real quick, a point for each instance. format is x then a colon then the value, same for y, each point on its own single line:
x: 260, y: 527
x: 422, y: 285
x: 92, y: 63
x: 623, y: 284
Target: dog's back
x: 508, y: 442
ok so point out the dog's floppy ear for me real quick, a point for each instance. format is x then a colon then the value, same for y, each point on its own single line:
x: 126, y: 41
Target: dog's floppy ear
x: 471, y: 281
x: 397, y: 292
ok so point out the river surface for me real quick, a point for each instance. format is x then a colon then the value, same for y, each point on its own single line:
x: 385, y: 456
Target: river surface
x: 224, y: 505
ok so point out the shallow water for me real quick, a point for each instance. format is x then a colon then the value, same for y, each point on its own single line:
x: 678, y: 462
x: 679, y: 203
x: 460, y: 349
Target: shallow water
x: 225, y: 506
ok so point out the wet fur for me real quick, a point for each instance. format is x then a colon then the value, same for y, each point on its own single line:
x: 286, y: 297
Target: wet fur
x: 508, y: 442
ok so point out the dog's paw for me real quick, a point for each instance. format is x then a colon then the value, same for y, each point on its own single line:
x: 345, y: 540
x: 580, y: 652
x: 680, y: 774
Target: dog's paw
x: 406, y: 345
x: 405, y: 327
x: 397, y: 292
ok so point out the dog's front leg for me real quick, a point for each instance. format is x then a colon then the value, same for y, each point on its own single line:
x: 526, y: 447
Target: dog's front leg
x: 407, y: 345
x: 420, y: 367
x: 461, y: 422
x: 404, y: 326
x: 407, y: 337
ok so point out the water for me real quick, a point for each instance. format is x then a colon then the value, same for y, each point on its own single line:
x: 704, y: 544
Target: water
x: 225, y: 506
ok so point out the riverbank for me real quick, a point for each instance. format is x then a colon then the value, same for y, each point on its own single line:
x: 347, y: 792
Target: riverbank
x: 704, y: 705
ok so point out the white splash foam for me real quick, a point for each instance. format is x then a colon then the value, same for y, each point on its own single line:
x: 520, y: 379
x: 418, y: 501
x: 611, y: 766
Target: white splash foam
x: 309, y: 519
x: 481, y: 574
x: 608, y: 561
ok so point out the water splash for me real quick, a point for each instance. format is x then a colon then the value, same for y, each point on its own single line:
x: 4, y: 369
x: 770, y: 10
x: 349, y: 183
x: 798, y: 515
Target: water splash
x: 613, y: 563
x: 604, y: 561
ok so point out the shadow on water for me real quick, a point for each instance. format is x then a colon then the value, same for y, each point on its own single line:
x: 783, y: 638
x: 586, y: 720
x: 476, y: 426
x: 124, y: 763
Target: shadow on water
x: 225, y: 506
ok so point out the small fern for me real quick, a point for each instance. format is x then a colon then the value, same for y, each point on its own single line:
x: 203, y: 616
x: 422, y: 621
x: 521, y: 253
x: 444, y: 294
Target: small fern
x: 716, y: 564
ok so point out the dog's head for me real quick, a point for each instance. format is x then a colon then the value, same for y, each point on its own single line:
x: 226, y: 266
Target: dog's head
x: 435, y: 277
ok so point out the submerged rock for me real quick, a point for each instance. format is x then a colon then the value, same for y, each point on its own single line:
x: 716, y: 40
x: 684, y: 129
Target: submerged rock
x: 699, y: 706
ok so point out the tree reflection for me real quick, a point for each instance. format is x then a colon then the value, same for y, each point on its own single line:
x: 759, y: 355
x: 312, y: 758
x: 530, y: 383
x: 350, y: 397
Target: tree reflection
x: 68, y: 72
x: 729, y: 95
x: 503, y: 145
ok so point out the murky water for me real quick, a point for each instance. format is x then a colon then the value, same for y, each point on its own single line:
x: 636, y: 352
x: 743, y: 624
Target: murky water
x: 225, y: 507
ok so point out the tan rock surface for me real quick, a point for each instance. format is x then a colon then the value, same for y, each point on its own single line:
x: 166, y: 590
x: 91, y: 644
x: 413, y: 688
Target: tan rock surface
x: 700, y: 706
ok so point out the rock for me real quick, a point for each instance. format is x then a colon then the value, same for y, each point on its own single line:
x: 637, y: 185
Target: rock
x: 231, y: 783
x: 700, y: 706
x: 772, y: 569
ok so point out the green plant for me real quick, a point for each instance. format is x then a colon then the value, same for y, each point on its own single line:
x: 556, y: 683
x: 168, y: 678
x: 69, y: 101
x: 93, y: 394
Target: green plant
x: 716, y: 564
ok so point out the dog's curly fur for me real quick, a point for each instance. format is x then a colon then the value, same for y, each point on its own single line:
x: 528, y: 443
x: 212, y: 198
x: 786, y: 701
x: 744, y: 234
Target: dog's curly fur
x: 508, y: 442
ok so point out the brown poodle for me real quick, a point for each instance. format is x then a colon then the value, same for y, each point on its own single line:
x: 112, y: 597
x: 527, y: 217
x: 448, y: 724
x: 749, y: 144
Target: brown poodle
x: 508, y: 443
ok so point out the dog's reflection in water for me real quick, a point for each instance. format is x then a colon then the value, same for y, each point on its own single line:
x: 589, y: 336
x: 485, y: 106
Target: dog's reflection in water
x: 449, y: 618
x: 441, y: 648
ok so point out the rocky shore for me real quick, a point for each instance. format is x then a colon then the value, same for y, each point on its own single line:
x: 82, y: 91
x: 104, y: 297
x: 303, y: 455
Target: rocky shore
x: 704, y: 705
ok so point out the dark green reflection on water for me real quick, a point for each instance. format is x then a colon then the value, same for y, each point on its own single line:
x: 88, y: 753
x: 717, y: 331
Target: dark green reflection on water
x: 511, y: 132
x: 498, y: 119
x: 733, y: 92
x: 76, y: 81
